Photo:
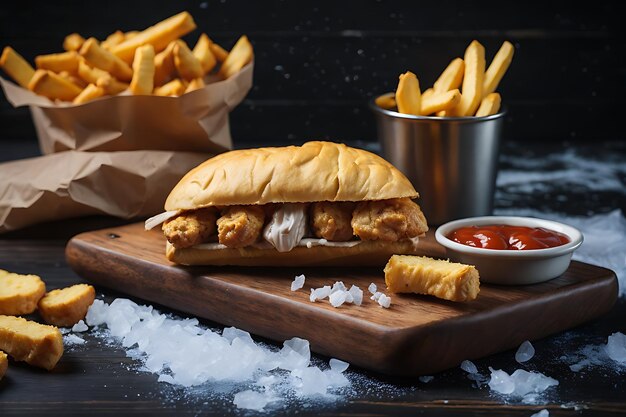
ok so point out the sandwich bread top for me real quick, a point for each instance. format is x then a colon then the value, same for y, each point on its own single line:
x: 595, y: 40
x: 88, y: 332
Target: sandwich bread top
x: 315, y: 171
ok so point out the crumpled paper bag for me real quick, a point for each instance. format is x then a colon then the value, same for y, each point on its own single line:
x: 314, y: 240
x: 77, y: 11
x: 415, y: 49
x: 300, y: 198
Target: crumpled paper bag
x: 72, y: 184
x: 194, y: 122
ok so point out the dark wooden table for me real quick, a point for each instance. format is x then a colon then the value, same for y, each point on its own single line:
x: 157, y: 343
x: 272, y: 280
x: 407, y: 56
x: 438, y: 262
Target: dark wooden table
x: 98, y: 379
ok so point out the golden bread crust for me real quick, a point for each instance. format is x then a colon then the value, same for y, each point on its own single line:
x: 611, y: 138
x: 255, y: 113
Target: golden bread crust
x: 367, y: 253
x: 315, y: 171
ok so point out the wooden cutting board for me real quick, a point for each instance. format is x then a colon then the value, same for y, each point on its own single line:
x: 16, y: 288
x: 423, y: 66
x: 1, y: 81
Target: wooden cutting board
x: 418, y: 335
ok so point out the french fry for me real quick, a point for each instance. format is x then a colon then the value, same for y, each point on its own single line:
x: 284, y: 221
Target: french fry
x: 105, y: 60
x: 90, y: 74
x: 490, y: 105
x: 202, y: 51
x: 472, y: 92
x: 73, y: 79
x: 237, y: 58
x: 131, y: 34
x: 437, y: 102
x: 110, y: 85
x: 16, y: 67
x: 158, y: 36
x: 195, y: 84
x: 113, y: 39
x: 164, y: 65
x: 387, y: 101
x: 186, y: 63
x: 408, y: 96
x: 498, y: 67
x: 49, y: 84
x: 173, y: 88
x: 65, y: 61
x: 451, y: 78
x: 218, y: 52
x: 73, y: 42
x: 427, y: 93
x: 91, y: 92
x: 143, y: 71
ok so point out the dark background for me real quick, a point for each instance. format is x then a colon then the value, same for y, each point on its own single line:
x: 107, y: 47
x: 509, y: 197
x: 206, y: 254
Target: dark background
x: 319, y: 62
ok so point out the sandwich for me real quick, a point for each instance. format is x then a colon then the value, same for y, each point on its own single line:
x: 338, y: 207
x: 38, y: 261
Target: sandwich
x: 319, y: 204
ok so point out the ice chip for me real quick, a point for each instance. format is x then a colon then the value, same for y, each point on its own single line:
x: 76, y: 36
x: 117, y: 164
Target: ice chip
x: 338, y: 365
x: 376, y: 296
x: 501, y: 381
x: 426, y: 378
x: 384, y: 301
x: 541, y: 413
x: 253, y: 400
x: 96, y: 313
x: 336, y: 379
x: 166, y: 378
x: 337, y: 298
x: 469, y: 367
x: 72, y: 339
x: 80, y: 327
x: 232, y: 333
x: 357, y: 295
x: 298, y: 282
x: 616, y: 347
x: 372, y: 288
x: 338, y: 286
x: 319, y: 293
x: 313, y: 381
x: 525, y: 352
x: 295, y: 354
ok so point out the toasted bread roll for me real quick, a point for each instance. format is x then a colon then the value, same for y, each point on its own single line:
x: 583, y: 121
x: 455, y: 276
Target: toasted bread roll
x: 4, y: 364
x: 34, y: 343
x: 66, y: 307
x: 19, y: 294
x: 423, y: 275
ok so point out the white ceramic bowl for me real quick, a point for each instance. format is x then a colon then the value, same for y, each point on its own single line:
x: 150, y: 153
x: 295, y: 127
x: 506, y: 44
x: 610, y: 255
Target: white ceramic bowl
x: 512, y: 267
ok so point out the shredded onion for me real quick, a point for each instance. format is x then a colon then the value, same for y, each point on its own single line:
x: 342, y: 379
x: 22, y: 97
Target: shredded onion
x: 154, y: 221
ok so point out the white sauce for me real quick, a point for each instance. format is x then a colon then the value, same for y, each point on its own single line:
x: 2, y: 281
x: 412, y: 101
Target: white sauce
x: 287, y: 227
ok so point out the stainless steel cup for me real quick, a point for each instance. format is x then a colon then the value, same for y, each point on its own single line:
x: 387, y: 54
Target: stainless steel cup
x: 452, y: 162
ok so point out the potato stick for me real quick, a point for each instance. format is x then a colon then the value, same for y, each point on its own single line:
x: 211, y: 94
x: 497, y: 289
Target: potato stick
x: 194, y: 84
x: 16, y: 67
x: 158, y: 36
x: 66, y: 61
x: 437, y: 102
x: 173, y: 88
x: 90, y: 92
x: 49, y: 84
x: 237, y: 58
x: 451, y: 78
x: 497, y: 68
x: 472, y: 92
x: 89, y: 74
x: 202, y: 52
x: 164, y: 65
x: 427, y: 93
x: 105, y: 60
x: 218, y: 52
x: 73, y: 42
x: 408, y: 95
x: 490, y: 105
x: 388, y: 101
x: 186, y: 63
x: 73, y: 79
x: 110, y: 85
x: 113, y: 39
x: 143, y: 71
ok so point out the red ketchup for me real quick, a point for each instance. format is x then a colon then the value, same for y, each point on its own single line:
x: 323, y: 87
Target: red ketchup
x: 502, y: 236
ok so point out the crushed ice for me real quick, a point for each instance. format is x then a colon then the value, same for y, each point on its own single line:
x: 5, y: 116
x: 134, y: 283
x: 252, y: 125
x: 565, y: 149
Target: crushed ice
x: 298, y: 282
x: 520, y: 383
x: 181, y: 352
x: 612, y: 354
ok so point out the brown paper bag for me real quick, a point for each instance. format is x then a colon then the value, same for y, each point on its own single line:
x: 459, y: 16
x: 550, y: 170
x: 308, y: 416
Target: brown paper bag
x: 72, y: 184
x: 194, y: 122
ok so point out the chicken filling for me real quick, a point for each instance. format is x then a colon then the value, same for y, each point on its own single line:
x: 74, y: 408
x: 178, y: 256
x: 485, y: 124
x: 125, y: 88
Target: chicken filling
x: 284, y: 226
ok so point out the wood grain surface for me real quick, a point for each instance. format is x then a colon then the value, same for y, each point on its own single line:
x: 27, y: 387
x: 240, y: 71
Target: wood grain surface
x: 416, y: 336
